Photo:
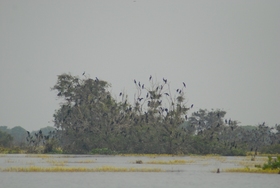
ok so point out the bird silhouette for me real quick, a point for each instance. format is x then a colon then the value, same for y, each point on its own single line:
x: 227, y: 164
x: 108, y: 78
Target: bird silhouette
x: 150, y: 77
x: 192, y: 106
x: 184, y: 84
x: 84, y: 73
x: 165, y: 80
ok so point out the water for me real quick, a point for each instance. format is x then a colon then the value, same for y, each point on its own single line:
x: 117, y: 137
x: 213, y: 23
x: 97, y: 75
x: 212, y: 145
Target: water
x: 199, y: 173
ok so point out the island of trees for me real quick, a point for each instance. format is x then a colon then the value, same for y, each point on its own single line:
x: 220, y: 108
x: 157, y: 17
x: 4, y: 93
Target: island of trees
x: 90, y: 120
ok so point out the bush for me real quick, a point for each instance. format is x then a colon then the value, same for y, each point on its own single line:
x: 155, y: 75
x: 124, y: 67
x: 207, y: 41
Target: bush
x: 272, y: 163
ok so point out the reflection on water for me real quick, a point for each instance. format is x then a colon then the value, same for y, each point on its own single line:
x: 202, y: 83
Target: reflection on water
x: 197, y: 172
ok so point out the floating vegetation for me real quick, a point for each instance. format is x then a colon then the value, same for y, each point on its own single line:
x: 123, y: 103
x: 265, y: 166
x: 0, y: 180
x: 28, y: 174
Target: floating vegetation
x: 79, y: 169
x: 253, y: 170
x: 169, y: 162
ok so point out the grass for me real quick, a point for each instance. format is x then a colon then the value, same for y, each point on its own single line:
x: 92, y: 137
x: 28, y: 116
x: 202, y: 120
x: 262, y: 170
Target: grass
x: 169, y: 162
x: 148, y: 155
x: 252, y: 170
x: 79, y: 169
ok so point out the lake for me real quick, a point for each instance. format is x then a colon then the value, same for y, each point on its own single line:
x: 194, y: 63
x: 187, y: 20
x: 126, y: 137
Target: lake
x: 199, y: 171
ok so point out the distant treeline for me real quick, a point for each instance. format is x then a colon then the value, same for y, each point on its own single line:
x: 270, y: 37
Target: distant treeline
x: 90, y: 120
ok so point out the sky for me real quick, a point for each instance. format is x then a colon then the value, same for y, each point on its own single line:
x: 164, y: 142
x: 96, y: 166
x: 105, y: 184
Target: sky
x: 227, y: 53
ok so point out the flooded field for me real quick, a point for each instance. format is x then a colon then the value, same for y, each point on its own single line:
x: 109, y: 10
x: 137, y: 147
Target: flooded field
x: 185, y: 171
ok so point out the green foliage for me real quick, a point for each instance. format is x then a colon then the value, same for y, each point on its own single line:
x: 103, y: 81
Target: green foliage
x: 273, y: 163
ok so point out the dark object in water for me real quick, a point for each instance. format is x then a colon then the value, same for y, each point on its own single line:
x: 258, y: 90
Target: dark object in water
x: 218, y: 170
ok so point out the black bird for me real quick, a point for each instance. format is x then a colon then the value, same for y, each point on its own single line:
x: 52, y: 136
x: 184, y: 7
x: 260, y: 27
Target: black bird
x: 165, y: 80
x: 84, y: 73
x: 147, y: 95
x: 186, y: 117
x: 120, y: 93
x: 184, y: 84
x: 192, y: 106
x: 150, y: 77
x: 166, y: 94
x: 142, y: 86
x: 135, y: 81
x: 226, y: 121
x: 96, y: 79
x: 28, y: 133
x: 139, y: 84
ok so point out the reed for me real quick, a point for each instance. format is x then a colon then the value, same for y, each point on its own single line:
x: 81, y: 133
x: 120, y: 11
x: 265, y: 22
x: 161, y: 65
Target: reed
x: 79, y: 169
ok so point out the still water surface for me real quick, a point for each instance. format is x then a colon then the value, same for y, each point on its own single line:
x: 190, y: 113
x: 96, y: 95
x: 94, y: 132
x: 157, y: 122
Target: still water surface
x: 198, y: 173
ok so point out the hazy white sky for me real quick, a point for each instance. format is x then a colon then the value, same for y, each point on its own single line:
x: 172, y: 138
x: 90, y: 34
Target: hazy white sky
x: 227, y: 52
